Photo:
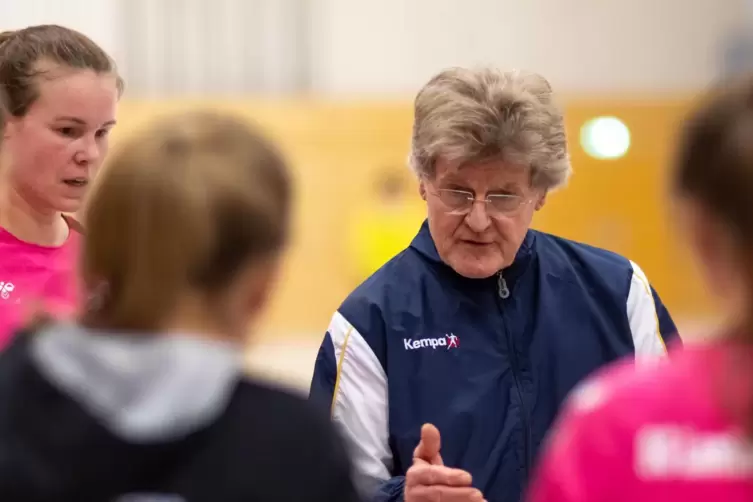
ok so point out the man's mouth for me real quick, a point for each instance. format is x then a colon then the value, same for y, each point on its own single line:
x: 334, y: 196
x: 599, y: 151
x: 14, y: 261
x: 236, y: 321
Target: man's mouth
x: 76, y: 182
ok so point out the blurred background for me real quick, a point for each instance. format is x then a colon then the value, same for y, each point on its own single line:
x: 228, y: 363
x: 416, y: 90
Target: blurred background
x: 332, y: 81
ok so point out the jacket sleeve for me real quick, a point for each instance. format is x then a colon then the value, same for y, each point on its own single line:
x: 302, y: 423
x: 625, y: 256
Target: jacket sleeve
x: 651, y: 326
x: 350, y: 382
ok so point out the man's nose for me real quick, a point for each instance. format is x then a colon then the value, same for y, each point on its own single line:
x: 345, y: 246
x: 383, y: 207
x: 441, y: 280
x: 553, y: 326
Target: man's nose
x: 478, y: 217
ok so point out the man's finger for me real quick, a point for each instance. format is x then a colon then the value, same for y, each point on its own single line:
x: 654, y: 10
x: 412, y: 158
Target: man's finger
x: 424, y: 474
x: 435, y: 460
x: 429, y: 446
x: 445, y: 494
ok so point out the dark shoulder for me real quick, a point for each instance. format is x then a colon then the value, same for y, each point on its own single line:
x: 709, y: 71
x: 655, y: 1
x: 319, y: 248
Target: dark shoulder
x: 579, y: 262
x: 387, y: 290
x: 554, y: 245
x: 394, y: 274
x: 282, y: 406
x: 280, y: 411
x: 280, y: 436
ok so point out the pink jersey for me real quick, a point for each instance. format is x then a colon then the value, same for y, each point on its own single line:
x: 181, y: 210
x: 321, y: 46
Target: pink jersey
x: 32, y: 277
x: 663, y: 432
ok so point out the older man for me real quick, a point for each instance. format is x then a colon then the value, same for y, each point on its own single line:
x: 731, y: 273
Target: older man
x: 481, y: 326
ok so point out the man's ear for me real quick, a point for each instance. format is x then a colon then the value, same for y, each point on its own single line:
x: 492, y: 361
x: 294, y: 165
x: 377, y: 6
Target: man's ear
x: 541, y: 201
x: 422, y: 189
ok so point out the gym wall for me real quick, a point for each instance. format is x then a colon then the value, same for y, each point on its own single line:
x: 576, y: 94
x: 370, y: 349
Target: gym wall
x: 342, y: 229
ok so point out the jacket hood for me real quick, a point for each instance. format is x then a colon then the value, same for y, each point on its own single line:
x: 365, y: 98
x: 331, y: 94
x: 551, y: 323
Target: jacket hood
x: 82, y: 406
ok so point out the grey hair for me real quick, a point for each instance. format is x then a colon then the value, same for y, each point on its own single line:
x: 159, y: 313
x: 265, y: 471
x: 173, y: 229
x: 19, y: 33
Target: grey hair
x: 473, y: 115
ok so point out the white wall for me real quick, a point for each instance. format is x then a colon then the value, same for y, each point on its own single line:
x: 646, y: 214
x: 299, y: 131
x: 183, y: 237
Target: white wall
x: 580, y: 45
x: 393, y: 46
x: 174, y: 47
x: 96, y: 18
x: 221, y: 46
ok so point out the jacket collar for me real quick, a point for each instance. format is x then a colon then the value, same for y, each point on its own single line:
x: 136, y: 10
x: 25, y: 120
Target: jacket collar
x: 424, y: 244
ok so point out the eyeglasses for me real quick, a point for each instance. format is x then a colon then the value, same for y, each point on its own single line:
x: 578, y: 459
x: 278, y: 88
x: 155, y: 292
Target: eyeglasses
x: 461, y: 202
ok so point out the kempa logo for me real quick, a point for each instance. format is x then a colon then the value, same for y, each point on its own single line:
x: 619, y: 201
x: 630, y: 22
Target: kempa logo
x: 6, y: 288
x: 449, y: 341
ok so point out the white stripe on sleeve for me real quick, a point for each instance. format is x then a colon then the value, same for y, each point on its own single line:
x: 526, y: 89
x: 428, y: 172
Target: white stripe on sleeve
x: 360, y: 405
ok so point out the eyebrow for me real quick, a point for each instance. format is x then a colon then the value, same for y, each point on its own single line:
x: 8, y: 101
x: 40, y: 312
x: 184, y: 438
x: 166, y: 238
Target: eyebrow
x: 78, y: 121
x: 451, y: 180
x: 507, y: 187
x: 459, y: 185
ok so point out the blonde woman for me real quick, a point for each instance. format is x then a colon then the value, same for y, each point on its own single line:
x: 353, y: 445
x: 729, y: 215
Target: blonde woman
x: 144, y: 397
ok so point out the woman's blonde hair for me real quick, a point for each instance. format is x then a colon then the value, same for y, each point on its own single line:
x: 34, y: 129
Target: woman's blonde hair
x: 473, y: 115
x: 184, y: 204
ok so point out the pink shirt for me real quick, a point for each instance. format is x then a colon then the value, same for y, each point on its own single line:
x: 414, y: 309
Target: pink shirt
x: 33, y: 276
x: 664, y: 432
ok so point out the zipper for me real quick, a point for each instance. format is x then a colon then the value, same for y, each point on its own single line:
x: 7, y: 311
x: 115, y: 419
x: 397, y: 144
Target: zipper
x: 502, y: 289
x: 504, y: 292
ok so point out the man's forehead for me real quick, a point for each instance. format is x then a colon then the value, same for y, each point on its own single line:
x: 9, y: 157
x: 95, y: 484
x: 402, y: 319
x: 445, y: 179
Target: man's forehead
x: 496, y: 172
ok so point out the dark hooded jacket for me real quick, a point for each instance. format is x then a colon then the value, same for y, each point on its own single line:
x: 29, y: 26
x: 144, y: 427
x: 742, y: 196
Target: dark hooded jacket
x: 89, y: 416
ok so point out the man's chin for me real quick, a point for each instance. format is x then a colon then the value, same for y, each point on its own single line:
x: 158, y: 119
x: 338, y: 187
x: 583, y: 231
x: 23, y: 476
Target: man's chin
x: 475, y: 270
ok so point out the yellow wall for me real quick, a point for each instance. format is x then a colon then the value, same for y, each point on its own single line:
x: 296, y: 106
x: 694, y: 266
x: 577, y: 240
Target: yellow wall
x: 336, y: 149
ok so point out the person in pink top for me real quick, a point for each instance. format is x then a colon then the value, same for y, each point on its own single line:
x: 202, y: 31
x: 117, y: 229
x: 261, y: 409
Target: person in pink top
x: 60, y: 91
x: 682, y: 428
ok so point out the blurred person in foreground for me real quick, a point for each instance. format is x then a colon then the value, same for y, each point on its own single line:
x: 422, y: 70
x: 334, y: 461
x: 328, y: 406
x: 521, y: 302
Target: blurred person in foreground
x: 683, y: 429
x: 62, y: 92
x: 482, y: 326
x: 144, y: 396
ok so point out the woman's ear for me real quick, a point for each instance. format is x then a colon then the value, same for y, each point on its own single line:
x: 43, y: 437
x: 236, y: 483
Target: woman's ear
x: 422, y: 189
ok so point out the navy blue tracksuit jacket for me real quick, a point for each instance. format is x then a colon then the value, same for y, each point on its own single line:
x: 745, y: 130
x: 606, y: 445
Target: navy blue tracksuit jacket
x: 488, y: 361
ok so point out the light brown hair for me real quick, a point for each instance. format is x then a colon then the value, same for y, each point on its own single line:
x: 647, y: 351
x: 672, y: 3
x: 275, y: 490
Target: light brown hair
x: 715, y: 162
x: 36, y: 51
x: 474, y: 115
x: 185, y: 204
x: 714, y: 168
